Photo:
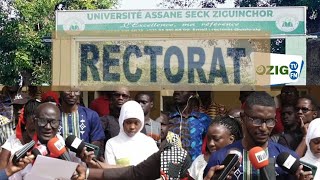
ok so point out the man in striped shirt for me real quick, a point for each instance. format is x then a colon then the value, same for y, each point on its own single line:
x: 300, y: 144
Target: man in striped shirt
x: 79, y: 121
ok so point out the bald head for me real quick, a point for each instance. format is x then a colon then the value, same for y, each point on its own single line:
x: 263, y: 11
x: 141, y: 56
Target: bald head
x: 45, y: 107
x: 47, y: 121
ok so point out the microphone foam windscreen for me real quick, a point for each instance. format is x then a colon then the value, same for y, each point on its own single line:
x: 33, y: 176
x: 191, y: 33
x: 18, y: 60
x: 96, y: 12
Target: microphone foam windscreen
x: 258, y: 157
x: 40, y: 150
x: 74, y: 144
x: 56, y: 146
x: 287, y: 162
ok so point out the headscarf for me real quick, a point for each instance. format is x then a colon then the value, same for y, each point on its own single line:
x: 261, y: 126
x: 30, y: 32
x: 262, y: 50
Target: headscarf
x: 125, y: 150
x: 312, y: 132
x: 131, y: 109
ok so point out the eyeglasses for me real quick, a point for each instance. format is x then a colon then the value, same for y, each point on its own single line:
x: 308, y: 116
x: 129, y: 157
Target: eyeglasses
x: 288, y: 93
x: 77, y: 93
x: 125, y: 96
x: 141, y: 101
x: 303, y: 109
x: 43, y: 122
x: 258, y: 122
x: 235, y: 117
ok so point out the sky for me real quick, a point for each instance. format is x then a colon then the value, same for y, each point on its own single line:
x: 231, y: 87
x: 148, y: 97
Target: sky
x: 152, y: 4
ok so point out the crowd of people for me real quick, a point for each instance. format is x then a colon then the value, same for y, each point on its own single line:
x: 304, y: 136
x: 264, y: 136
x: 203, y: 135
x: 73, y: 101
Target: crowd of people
x: 186, y: 143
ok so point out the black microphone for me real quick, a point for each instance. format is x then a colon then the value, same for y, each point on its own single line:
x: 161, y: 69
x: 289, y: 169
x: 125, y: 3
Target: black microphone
x: 288, y: 163
x: 40, y: 150
x: 76, y: 145
x: 22, y: 152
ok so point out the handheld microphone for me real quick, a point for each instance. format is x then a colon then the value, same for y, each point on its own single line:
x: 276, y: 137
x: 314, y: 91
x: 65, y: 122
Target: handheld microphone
x: 76, y: 145
x: 260, y: 160
x: 22, y: 152
x: 57, y: 147
x: 40, y: 150
x: 231, y: 161
x: 288, y: 163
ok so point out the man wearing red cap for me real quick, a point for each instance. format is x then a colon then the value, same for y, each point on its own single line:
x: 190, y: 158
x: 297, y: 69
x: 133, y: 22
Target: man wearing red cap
x: 50, y: 96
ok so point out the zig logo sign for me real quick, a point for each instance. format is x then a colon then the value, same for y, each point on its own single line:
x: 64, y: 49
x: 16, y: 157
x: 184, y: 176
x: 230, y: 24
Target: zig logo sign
x: 283, y: 69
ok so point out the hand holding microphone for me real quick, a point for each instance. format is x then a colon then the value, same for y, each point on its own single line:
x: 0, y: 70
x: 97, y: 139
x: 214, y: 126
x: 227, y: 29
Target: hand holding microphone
x: 22, y: 152
x: 293, y: 166
x: 225, y: 170
x: 78, y: 146
x: 12, y: 168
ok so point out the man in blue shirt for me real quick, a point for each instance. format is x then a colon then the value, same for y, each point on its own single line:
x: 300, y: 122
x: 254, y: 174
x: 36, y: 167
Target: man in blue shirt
x: 79, y: 121
x: 258, y: 120
x: 188, y: 123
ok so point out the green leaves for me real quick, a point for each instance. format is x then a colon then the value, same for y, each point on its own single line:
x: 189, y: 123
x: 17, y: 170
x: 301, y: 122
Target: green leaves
x: 21, y: 46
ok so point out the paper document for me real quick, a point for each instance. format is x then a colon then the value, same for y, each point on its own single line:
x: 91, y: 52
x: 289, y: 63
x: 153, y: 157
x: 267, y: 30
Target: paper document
x: 47, y: 168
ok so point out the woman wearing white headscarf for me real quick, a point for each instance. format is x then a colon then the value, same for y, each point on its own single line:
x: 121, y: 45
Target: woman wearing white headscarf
x: 130, y: 146
x: 312, y: 155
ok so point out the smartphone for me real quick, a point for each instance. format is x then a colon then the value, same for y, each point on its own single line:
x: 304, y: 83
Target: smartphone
x: 309, y: 167
x: 92, y: 147
x: 231, y: 161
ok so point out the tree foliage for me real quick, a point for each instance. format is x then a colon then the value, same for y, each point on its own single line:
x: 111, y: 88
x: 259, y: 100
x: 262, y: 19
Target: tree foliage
x: 23, y: 25
x: 313, y: 20
x: 171, y: 4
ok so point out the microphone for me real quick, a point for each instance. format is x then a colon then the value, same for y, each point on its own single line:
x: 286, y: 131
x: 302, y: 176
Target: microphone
x: 288, y: 163
x: 40, y: 150
x: 231, y: 161
x: 22, y: 152
x: 57, y: 147
x: 76, y: 145
x: 260, y: 160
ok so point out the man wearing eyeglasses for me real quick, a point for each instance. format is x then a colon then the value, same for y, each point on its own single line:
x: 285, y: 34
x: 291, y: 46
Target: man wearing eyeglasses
x: 258, y: 120
x: 79, y: 121
x: 46, y: 122
x: 110, y: 122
